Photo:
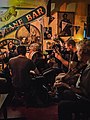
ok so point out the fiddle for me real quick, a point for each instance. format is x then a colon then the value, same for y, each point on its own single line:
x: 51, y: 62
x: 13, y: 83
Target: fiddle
x: 80, y: 66
x: 66, y: 77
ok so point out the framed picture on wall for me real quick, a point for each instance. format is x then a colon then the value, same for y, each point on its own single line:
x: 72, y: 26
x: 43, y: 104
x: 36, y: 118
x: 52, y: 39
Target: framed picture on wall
x: 47, y: 33
x: 65, y: 24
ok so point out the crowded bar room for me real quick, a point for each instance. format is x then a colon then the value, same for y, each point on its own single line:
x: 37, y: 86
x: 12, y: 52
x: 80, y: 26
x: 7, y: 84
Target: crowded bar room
x: 44, y: 59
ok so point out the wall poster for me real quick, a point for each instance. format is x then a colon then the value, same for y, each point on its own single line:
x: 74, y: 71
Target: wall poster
x: 65, y: 24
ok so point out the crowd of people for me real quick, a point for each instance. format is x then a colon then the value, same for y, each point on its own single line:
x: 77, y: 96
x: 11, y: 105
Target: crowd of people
x: 73, y: 61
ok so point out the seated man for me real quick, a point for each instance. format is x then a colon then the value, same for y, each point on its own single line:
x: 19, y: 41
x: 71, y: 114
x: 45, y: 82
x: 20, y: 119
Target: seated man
x: 69, y: 60
x: 34, y: 52
x: 20, y: 68
x: 36, y: 56
x: 66, y: 57
x: 77, y: 99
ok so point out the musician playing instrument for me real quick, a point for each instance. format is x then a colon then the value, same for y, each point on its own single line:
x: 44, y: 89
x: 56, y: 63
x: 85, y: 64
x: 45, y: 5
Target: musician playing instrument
x: 77, y: 99
x: 69, y: 60
x: 66, y: 59
x: 71, y: 76
x: 73, y: 73
x: 80, y: 66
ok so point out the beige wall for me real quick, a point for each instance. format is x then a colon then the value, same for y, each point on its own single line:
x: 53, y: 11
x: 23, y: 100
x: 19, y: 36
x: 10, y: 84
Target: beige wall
x: 79, y: 7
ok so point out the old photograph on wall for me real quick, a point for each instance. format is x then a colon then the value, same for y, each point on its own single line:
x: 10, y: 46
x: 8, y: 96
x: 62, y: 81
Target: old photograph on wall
x: 66, y: 24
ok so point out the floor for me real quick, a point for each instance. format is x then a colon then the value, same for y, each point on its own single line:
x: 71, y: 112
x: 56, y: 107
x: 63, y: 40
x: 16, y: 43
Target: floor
x: 32, y: 113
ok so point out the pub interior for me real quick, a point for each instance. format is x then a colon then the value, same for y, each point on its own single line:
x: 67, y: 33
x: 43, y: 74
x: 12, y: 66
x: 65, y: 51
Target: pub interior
x: 45, y: 57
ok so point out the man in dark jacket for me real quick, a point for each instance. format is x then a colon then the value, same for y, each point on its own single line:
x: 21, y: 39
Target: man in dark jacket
x: 77, y: 99
x: 20, y: 67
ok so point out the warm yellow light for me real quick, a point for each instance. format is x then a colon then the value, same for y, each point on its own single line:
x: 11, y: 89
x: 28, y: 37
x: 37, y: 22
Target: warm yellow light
x: 14, y: 2
x: 78, y: 38
x: 26, y: 3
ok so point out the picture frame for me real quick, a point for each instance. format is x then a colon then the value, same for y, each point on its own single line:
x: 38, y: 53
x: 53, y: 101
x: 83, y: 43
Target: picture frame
x: 47, y: 33
x: 65, y: 24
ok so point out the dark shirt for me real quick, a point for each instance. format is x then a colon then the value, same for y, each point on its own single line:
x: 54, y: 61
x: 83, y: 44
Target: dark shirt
x: 85, y: 82
x: 20, y: 67
x: 36, y: 55
x: 38, y: 60
x: 69, y: 56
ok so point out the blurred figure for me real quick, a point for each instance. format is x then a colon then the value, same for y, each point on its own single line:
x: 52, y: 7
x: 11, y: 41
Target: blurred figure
x: 77, y: 99
x: 11, y: 51
x: 36, y: 56
x: 20, y: 67
x: 6, y: 74
x: 34, y: 51
x: 66, y: 57
x: 2, y: 56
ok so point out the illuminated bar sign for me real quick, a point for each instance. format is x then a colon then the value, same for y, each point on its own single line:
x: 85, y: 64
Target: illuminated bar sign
x: 33, y: 15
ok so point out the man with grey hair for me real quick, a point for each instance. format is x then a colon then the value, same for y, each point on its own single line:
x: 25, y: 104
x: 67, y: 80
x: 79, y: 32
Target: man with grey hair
x: 34, y: 51
x: 77, y: 99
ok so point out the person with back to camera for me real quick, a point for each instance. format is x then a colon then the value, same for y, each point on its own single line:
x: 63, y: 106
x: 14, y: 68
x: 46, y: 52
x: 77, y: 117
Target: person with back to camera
x: 20, y: 67
x: 77, y: 99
